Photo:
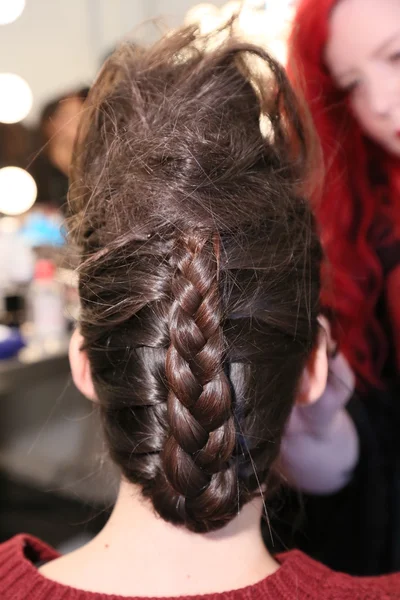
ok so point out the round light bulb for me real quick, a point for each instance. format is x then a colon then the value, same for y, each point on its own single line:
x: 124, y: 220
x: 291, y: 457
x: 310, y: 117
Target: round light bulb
x: 18, y: 191
x: 15, y: 98
x: 10, y: 10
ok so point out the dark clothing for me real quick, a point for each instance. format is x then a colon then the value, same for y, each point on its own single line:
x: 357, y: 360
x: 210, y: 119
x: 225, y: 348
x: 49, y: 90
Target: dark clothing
x: 358, y: 529
x: 51, y: 183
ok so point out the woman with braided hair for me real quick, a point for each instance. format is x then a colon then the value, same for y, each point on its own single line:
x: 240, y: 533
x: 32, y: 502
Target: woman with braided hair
x: 199, y: 281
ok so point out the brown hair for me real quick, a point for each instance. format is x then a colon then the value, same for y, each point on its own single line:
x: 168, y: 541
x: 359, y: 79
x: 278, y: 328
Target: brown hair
x: 199, y: 275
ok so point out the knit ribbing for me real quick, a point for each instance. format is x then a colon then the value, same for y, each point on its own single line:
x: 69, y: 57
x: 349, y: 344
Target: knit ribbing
x: 298, y: 578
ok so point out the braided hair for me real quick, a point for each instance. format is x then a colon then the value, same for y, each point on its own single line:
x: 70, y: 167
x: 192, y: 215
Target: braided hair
x: 199, y: 268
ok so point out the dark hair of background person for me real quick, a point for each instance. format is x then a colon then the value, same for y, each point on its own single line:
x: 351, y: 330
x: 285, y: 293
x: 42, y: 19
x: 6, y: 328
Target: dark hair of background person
x: 15, y: 145
x: 199, y: 274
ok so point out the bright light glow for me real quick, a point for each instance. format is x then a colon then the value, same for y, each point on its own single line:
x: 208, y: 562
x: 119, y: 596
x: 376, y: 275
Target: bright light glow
x: 255, y: 4
x: 15, y: 98
x: 10, y: 10
x: 230, y: 9
x: 278, y: 49
x: 9, y: 225
x: 264, y: 23
x: 206, y: 16
x: 208, y: 24
x: 18, y: 191
x: 253, y: 25
x: 201, y: 11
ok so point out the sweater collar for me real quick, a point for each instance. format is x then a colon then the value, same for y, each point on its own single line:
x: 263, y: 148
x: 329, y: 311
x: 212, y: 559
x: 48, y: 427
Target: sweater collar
x: 297, y: 577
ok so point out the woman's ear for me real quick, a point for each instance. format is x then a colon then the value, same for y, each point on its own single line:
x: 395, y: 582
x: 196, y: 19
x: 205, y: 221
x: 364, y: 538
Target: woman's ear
x: 80, y: 367
x: 315, y: 374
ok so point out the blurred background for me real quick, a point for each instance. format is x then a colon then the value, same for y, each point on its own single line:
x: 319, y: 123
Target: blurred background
x: 55, y: 480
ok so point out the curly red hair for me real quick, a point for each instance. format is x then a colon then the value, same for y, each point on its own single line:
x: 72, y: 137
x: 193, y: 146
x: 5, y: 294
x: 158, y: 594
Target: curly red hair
x: 349, y: 205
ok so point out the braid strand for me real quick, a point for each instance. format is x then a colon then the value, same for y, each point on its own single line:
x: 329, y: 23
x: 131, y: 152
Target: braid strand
x: 202, y: 432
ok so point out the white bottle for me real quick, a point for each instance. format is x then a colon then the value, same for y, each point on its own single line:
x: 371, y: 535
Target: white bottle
x: 16, y: 261
x: 47, y: 304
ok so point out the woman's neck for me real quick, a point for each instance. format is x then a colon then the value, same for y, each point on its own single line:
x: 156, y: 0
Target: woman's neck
x: 139, y: 554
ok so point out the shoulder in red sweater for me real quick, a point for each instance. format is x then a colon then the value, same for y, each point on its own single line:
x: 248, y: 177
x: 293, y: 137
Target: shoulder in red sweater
x: 299, y: 578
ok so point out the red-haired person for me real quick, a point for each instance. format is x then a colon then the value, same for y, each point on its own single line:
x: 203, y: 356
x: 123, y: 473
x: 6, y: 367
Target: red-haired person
x: 346, y: 55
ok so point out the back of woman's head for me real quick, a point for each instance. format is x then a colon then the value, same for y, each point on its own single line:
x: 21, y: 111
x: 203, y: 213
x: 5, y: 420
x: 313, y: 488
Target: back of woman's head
x: 199, y: 276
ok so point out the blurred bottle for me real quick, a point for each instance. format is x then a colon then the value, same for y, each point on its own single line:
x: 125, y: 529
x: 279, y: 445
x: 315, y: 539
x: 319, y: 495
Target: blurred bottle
x: 16, y: 270
x: 47, y: 304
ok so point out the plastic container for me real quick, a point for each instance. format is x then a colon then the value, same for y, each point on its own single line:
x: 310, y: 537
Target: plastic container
x: 11, y: 342
x: 47, y: 303
x: 16, y: 271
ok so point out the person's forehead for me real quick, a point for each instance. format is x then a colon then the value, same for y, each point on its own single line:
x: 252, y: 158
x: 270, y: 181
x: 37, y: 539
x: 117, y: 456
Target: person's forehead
x: 358, y: 28
x: 70, y: 105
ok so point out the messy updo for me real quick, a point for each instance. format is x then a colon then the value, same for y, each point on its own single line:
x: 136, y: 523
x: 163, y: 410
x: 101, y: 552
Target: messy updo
x: 199, y: 274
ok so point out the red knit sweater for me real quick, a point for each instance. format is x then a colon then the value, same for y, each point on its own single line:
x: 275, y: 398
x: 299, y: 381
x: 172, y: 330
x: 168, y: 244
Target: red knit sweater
x: 299, y: 578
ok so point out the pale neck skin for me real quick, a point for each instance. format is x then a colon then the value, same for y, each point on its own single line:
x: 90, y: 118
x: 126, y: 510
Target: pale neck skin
x: 139, y: 554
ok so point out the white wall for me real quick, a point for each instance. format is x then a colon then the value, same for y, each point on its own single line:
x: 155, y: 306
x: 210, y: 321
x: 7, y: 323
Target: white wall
x: 58, y: 44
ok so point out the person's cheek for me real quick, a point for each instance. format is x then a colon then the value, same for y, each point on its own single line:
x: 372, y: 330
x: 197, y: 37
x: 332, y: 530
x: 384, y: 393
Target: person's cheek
x: 363, y: 115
